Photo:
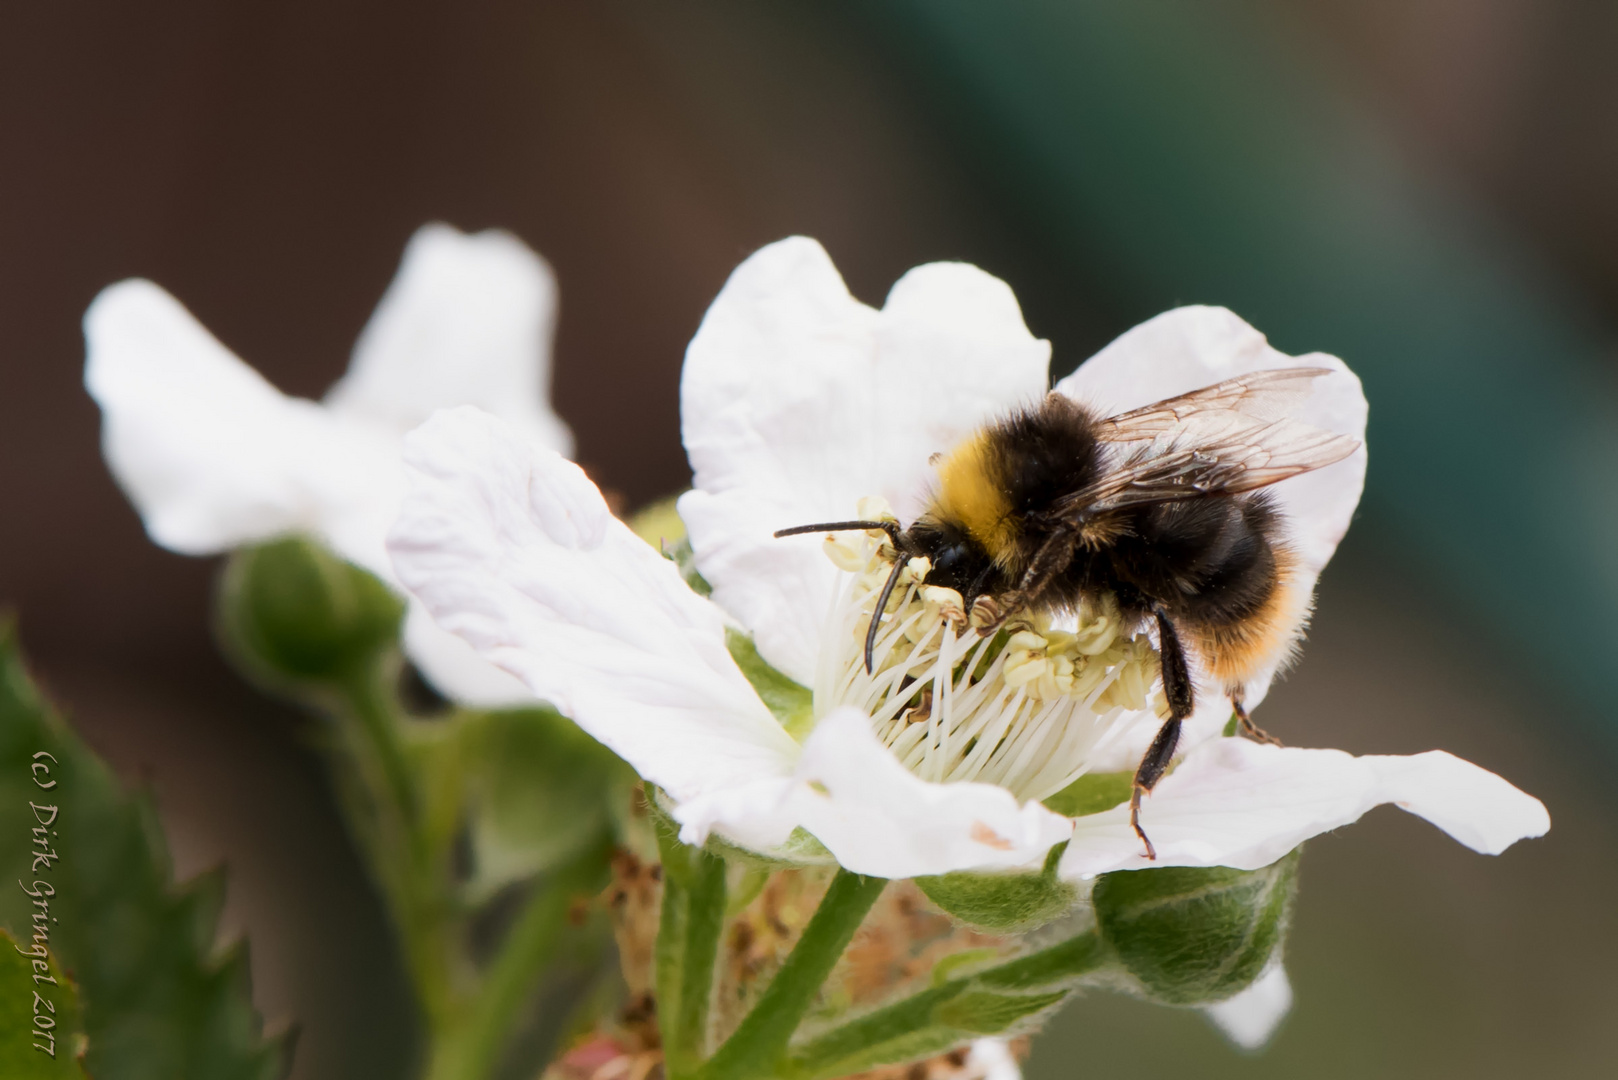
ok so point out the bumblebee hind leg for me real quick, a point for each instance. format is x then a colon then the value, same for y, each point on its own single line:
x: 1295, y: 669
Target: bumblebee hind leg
x: 1177, y: 689
x: 1245, y: 722
x: 1152, y: 768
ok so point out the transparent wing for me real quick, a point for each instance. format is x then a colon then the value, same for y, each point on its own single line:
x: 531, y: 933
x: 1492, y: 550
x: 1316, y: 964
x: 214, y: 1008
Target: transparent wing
x: 1205, y: 415
x: 1242, y: 454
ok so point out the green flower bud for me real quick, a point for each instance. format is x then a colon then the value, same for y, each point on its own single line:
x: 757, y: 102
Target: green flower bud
x: 1194, y: 935
x: 302, y: 614
x: 1004, y: 903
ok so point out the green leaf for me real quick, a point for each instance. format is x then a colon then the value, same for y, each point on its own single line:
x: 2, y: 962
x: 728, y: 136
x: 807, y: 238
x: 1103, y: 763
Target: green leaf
x: 791, y: 704
x: 296, y: 612
x: 541, y: 791
x: 42, y: 1030
x: 1193, y: 935
x: 1004, y: 903
x: 983, y: 1013
x: 160, y: 1001
x: 1091, y: 794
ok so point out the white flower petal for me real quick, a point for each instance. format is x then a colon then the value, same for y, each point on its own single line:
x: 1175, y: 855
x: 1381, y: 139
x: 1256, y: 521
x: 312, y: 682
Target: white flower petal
x: 796, y: 400
x: 468, y: 320
x: 876, y: 817
x: 212, y: 455
x: 455, y: 669
x: 1192, y: 347
x: 1233, y: 802
x: 1250, y: 1018
x: 511, y: 547
x: 991, y: 1059
x: 1473, y: 805
x: 1123, y: 753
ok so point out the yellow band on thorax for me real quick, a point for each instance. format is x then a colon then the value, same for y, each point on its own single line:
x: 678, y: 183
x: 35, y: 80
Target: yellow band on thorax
x: 971, y: 495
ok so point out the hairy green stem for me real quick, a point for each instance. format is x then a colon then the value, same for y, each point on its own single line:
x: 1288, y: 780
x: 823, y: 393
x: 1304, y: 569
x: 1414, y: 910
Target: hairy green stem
x: 692, y: 920
x: 469, y: 1047
x: 760, y: 1041
x: 918, y: 1024
x: 414, y: 878
x: 704, y: 921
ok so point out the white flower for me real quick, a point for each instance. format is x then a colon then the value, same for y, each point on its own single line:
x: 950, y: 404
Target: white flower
x: 799, y: 403
x: 214, y: 457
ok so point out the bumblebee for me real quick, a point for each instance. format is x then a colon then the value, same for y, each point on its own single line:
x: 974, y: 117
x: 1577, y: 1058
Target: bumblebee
x: 1160, y: 508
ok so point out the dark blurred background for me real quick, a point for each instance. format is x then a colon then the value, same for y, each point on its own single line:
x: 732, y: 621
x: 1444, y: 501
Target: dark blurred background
x: 1425, y: 187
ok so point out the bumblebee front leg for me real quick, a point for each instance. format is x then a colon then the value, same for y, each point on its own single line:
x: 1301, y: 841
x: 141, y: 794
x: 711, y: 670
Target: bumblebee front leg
x: 1177, y: 689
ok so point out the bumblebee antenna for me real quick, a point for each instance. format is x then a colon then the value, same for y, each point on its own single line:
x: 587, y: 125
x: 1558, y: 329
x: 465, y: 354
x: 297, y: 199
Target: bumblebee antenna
x: 890, y: 527
x: 876, y: 615
x: 901, y: 546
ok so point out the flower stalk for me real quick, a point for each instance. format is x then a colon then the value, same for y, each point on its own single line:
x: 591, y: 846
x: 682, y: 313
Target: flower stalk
x: 467, y: 1044
x: 692, y: 919
x: 757, y: 1046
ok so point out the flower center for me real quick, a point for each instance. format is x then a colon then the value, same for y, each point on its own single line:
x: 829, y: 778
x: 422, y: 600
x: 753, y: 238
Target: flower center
x: 1026, y: 707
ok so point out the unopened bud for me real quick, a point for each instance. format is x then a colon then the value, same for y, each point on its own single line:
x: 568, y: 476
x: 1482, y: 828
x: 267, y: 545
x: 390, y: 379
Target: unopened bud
x: 299, y: 611
x: 1194, y: 935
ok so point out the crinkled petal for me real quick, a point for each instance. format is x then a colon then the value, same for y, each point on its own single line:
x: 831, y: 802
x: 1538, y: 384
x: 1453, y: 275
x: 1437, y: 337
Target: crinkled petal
x: 1233, y: 802
x: 876, y: 817
x: 1250, y: 1018
x: 796, y: 400
x: 210, y: 453
x: 511, y: 547
x: 1192, y: 347
x: 468, y: 320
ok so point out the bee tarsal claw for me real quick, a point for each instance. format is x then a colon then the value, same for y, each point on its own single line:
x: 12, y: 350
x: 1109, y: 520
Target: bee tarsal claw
x: 1134, y: 822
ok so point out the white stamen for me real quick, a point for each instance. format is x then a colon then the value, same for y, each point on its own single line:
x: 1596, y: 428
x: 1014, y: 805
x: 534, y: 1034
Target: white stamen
x: 1027, y: 708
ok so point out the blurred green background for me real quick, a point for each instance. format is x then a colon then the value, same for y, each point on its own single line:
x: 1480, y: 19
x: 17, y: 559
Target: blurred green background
x: 1424, y: 187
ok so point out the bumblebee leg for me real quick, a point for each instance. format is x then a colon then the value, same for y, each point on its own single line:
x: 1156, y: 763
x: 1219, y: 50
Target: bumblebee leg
x: 1152, y: 768
x: 1248, y: 728
x: 1177, y: 689
x: 1176, y: 675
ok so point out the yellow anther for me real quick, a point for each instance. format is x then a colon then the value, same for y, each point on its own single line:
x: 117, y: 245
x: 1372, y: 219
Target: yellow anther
x: 874, y: 508
x: 1023, y: 666
x: 1028, y: 640
x: 848, y: 551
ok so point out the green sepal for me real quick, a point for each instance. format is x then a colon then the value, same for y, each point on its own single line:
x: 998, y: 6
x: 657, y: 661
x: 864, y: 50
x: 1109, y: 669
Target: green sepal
x: 295, y: 612
x: 1195, y: 935
x: 541, y: 791
x: 43, y: 1037
x: 1005, y: 903
x: 980, y: 1012
x: 1091, y: 794
x: 160, y: 1000
x: 792, y: 705
x: 1230, y: 726
x: 659, y: 525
